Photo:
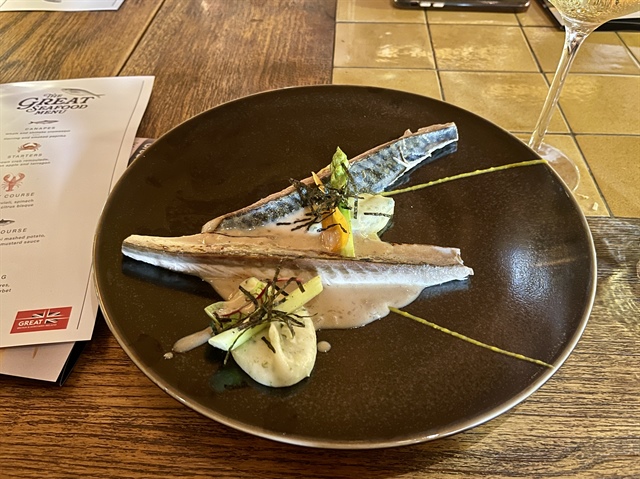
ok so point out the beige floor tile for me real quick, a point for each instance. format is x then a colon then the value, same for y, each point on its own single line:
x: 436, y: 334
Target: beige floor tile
x: 511, y: 100
x: 632, y: 40
x: 602, y: 103
x: 482, y: 48
x: 586, y: 194
x: 535, y: 16
x: 382, y: 45
x: 422, y: 82
x: 376, y: 11
x: 435, y: 17
x: 602, y: 52
x: 615, y: 163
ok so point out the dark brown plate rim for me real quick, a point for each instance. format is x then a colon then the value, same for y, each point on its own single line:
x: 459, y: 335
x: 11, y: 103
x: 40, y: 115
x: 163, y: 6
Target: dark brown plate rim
x: 114, y: 322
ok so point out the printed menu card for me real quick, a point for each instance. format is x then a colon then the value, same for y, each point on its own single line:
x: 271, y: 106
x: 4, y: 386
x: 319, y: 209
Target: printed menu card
x: 58, y: 5
x: 63, y: 145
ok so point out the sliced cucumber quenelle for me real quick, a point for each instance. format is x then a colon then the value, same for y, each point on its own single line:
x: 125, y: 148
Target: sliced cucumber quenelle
x: 289, y: 362
x: 272, y: 352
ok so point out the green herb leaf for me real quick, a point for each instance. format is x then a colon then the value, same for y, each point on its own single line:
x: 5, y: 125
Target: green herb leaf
x: 339, y: 168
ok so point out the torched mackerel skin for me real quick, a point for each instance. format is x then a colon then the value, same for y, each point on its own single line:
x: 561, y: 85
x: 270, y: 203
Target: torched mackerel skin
x: 373, y: 171
x: 244, y: 243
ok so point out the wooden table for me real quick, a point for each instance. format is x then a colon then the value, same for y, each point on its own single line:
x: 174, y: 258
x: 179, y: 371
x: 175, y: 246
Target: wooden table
x: 109, y: 420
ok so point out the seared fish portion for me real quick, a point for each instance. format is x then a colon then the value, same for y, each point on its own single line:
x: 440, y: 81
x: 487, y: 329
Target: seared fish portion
x: 213, y: 256
x: 373, y: 171
x: 250, y: 243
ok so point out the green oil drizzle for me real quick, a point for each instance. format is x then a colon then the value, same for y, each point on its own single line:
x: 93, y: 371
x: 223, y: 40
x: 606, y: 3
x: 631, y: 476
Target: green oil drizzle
x: 468, y: 339
x: 493, y: 169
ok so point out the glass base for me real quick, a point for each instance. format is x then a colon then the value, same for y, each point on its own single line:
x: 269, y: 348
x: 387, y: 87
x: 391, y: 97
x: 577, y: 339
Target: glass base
x: 562, y: 165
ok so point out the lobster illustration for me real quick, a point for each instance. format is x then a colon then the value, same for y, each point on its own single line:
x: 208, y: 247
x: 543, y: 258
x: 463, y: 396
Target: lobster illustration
x: 11, y: 181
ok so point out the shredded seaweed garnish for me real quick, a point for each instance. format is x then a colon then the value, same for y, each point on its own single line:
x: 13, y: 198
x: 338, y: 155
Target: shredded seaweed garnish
x: 268, y: 343
x: 259, y: 309
x: 322, y: 200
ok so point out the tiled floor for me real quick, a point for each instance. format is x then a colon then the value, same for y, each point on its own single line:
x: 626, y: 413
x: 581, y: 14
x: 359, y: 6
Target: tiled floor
x: 499, y: 66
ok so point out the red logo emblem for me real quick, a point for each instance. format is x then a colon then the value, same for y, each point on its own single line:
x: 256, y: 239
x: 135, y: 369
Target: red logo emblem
x: 9, y: 182
x: 41, y: 320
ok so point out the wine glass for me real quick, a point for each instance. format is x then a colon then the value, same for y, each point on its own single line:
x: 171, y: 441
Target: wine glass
x: 581, y: 17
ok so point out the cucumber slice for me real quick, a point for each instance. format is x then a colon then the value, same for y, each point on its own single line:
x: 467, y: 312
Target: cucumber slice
x: 234, y: 337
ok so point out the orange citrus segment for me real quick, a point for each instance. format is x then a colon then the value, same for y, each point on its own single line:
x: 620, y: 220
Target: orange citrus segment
x: 334, y: 238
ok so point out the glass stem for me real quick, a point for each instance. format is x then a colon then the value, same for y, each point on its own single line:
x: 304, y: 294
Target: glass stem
x: 573, y: 39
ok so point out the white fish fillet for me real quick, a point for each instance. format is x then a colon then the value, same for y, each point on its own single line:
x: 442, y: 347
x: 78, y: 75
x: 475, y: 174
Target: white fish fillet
x: 210, y: 255
x: 230, y: 248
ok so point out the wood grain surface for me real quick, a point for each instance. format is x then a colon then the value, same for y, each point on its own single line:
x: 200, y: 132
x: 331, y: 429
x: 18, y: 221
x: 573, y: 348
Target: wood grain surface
x: 110, y: 421
x: 56, y: 45
x: 207, y: 53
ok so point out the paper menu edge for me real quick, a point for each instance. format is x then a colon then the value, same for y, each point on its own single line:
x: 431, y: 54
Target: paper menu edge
x: 53, y: 361
x: 43, y: 362
x: 69, y: 6
x: 139, y: 94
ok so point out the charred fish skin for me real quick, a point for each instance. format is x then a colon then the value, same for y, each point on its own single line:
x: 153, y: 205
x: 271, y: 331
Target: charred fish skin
x: 384, y: 166
x: 373, y: 171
